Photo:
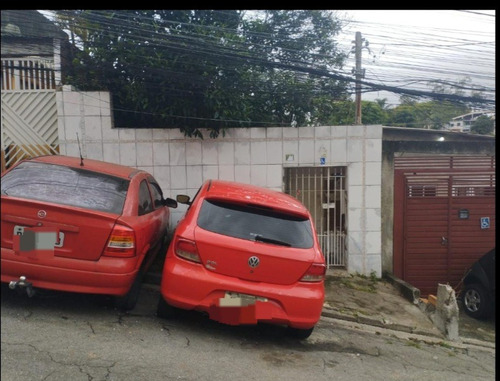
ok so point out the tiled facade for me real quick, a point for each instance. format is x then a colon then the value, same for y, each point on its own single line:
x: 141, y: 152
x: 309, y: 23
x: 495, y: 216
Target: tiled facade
x: 250, y: 155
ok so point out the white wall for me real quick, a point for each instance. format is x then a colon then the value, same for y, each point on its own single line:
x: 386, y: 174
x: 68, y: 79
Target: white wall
x: 250, y: 155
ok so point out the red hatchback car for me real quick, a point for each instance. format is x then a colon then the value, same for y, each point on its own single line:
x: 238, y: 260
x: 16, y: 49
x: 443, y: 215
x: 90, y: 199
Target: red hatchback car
x: 245, y: 254
x: 80, y: 225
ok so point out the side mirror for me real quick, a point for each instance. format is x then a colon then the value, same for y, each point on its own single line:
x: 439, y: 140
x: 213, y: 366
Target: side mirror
x: 183, y: 199
x: 170, y: 202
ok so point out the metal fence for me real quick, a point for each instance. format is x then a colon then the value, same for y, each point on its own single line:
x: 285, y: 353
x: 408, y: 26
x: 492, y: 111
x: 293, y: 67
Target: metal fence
x: 27, y: 74
x: 323, y: 191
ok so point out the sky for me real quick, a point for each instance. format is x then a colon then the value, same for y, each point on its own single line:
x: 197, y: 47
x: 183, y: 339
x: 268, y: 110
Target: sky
x: 407, y: 48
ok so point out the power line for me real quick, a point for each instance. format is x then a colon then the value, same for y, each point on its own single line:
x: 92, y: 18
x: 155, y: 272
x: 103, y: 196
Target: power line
x: 407, y: 53
x: 238, y: 52
x: 410, y: 66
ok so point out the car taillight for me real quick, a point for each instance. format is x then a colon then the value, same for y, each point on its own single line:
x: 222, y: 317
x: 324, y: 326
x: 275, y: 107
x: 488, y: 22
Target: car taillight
x: 186, y: 249
x: 121, y: 242
x: 316, y: 273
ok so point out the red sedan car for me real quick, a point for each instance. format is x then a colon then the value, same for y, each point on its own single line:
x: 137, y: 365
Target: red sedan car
x: 245, y: 254
x: 80, y: 225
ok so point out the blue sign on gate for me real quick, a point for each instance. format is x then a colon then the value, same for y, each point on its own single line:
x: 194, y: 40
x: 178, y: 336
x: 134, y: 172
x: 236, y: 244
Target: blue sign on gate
x: 485, y: 222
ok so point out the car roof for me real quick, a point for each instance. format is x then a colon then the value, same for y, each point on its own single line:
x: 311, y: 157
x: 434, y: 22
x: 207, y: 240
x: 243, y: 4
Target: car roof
x: 250, y: 194
x: 89, y: 164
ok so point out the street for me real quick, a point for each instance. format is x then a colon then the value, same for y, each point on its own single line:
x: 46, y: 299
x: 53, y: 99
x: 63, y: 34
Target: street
x: 65, y: 336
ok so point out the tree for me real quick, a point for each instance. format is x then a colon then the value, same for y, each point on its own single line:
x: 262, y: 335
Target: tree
x: 209, y: 69
x: 333, y: 112
x: 382, y: 102
x: 403, y: 116
x: 459, y: 89
x: 436, y: 114
x: 483, y: 125
x: 373, y: 113
x: 408, y: 100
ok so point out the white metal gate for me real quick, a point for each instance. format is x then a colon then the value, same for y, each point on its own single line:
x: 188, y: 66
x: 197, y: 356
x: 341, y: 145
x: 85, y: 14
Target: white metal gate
x: 29, y: 125
x: 323, y: 191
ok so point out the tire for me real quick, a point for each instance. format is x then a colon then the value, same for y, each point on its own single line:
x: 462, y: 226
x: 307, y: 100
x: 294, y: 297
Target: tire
x: 129, y: 300
x: 476, y: 301
x: 165, y: 310
x: 298, y: 333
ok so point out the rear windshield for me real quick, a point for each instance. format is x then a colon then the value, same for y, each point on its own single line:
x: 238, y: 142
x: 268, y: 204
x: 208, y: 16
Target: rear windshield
x: 256, y: 224
x: 67, y: 186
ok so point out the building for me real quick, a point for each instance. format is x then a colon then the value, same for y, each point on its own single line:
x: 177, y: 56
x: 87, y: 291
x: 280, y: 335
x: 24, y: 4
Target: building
x: 34, y: 58
x: 463, y: 123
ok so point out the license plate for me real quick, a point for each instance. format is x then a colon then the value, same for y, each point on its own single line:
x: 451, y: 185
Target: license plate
x: 234, y: 299
x: 38, y: 238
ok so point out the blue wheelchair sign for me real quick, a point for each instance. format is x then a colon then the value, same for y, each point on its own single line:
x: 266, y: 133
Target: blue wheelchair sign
x: 485, y: 222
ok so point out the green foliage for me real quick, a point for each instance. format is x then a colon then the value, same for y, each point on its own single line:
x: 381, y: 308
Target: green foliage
x: 373, y: 113
x: 403, y: 116
x: 361, y: 282
x: 436, y: 114
x: 193, y: 69
x: 483, y: 125
x: 430, y: 115
x: 215, y: 69
x: 413, y: 343
x: 334, y: 113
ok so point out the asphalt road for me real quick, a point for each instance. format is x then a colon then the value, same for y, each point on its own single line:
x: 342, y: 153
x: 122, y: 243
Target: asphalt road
x: 64, y: 336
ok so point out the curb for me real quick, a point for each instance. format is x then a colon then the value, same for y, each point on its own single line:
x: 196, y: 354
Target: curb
x: 407, y: 290
x: 416, y: 334
x: 381, y: 323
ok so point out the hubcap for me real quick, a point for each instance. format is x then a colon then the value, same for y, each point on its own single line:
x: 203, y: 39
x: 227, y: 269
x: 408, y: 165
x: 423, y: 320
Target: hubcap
x: 472, y: 300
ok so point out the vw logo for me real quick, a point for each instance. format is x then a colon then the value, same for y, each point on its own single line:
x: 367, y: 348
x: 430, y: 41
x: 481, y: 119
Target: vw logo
x: 42, y: 214
x: 253, y: 261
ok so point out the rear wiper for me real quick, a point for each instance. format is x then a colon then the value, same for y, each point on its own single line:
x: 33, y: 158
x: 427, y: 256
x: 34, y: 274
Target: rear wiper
x: 260, y: 238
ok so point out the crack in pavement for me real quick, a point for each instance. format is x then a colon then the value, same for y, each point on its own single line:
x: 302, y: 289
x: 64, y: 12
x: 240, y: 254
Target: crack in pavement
x: 92, y: 328
x: 83, y: 367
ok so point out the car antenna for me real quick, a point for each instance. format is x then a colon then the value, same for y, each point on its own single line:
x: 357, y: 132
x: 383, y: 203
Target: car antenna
x: 79, y: 150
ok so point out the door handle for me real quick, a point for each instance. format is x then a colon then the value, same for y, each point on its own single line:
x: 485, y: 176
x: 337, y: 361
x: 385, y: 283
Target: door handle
x: 444, y: 241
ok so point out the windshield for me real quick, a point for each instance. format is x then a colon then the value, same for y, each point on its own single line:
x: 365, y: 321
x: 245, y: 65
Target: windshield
x: 256, y: 224
x: 67, y: 186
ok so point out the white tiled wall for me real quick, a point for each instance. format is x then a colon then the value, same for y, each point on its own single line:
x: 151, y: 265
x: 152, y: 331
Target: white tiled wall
x: 250, y: 155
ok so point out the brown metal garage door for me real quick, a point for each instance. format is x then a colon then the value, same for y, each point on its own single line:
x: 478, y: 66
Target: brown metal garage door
x: 444, y: 217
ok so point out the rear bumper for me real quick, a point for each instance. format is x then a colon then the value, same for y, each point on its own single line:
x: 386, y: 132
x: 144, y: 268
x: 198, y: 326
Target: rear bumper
x: 109, y: 276
x: 192, y: 287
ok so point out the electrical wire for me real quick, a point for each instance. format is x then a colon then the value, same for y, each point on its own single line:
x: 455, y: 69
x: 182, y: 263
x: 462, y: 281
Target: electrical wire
x: 386, y: 74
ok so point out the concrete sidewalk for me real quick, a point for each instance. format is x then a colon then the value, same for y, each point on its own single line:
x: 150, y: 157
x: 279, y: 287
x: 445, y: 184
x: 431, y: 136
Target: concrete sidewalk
x: 375, y: 302
x: 392, y: 304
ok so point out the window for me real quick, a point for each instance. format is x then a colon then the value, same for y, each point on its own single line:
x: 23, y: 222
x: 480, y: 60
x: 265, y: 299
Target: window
x: 66, y: 186
x: 156, y: 193
x: 256, y: 224
x: 145, y: 204
x: 478, y: 191
x: 422, y: 191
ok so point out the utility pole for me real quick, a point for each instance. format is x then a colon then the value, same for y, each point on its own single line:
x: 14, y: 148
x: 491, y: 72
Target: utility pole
x: 359, y: 75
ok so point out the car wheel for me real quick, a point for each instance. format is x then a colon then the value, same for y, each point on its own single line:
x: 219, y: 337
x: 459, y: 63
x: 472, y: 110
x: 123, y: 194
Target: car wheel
x: 476, y: 301
x: 298, y: 333
x: 129, y: 300
x: 165, y: 310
